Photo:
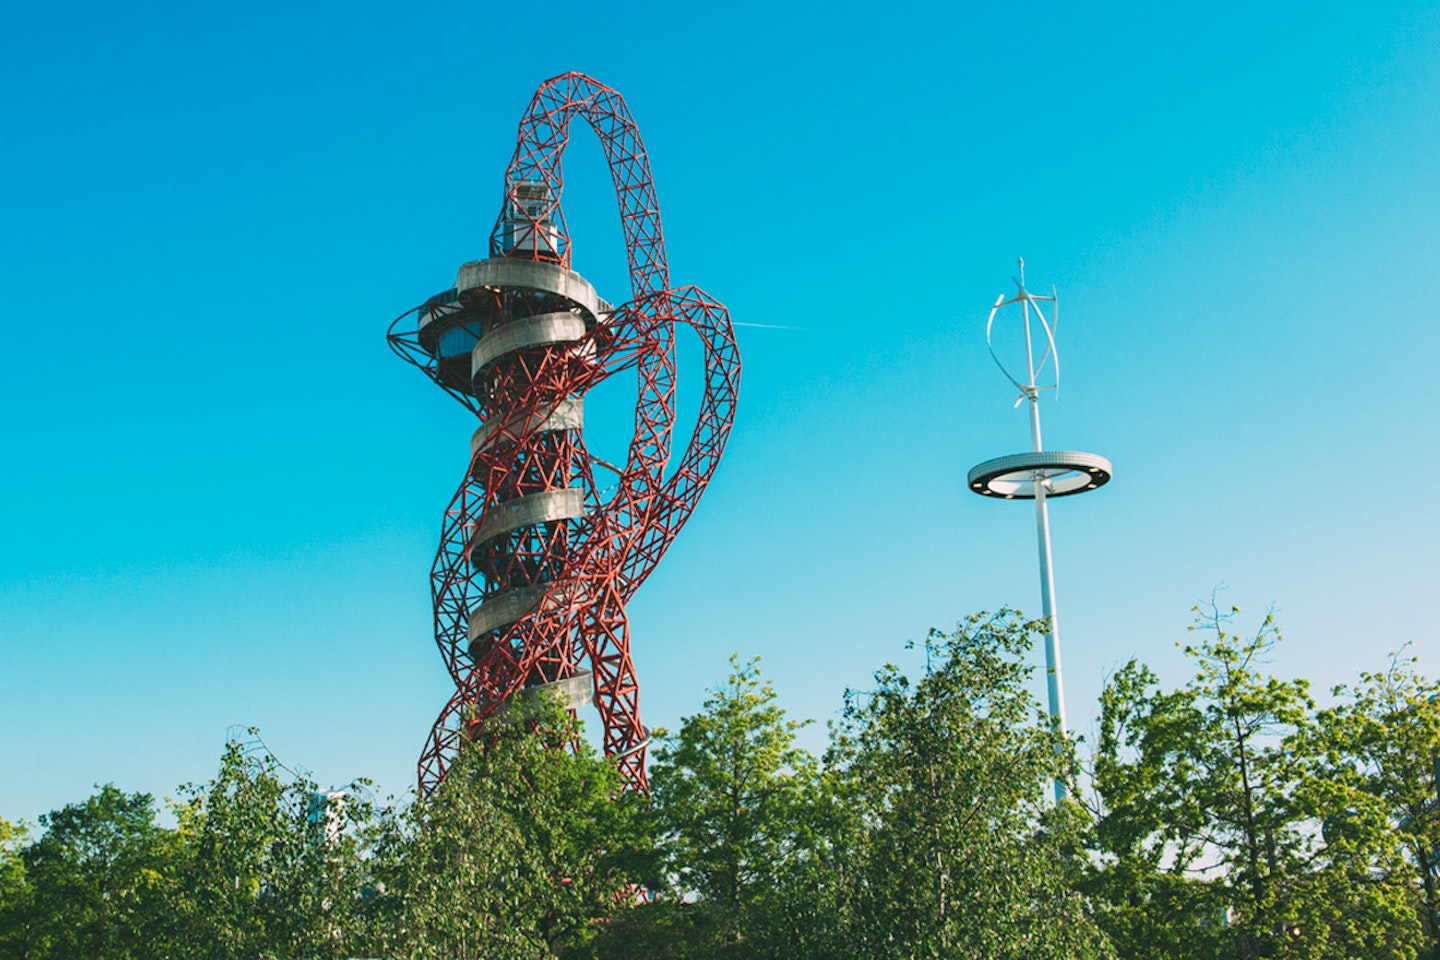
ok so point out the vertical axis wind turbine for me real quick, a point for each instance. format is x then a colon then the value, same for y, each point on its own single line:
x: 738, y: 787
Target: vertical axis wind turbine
x: 1039, y: 475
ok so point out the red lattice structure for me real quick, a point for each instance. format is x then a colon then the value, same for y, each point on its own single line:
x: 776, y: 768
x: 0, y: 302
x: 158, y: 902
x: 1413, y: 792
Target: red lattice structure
x: 534, y: 568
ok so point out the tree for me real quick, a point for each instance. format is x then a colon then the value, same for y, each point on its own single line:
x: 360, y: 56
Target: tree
x: 960, y: 855
x: 15, y: 894
x: 733, y: 797
x: 526, y: 849
x: 1210, y: 834
x: 229, y: 828
x: 271, y: 866
x: 1380, y: 748
x: 93, y: 882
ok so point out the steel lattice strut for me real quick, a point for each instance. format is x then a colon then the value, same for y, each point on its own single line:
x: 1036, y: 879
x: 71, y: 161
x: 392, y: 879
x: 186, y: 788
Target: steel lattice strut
x: 534, y: 570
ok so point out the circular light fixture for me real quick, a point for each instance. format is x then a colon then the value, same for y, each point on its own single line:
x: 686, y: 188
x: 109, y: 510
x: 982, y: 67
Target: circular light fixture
x: 1062, y: 472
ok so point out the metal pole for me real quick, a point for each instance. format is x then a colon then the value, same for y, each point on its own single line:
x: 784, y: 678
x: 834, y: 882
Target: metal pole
x: 1053, y: 684
x: 1050, y: 474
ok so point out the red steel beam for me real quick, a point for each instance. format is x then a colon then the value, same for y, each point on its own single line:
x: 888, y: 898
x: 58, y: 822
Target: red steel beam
x: 574, y: 569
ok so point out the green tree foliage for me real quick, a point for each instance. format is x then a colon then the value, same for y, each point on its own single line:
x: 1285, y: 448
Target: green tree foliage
x: 1379, y: 749
x: 93, y: 884
x: 525, y: 851
x: 253, y: 868
x: 15, y: 894
x: 1210, y: 836
x: 959, y: 855
x: 1226, y: 818
x: 733, y: 804
x: 926, y: 834
x: 272, y: 866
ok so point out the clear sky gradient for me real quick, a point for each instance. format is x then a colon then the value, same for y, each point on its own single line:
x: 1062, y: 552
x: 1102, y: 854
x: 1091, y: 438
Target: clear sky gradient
x: 220, y: 493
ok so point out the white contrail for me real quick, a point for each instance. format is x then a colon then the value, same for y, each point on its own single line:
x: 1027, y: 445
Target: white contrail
x: 762, y: 326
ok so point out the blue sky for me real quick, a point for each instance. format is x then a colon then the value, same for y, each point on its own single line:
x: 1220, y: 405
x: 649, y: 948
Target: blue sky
x: 221, y: 492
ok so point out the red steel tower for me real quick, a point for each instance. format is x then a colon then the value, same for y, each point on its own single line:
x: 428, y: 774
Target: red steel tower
x: 534, y: 568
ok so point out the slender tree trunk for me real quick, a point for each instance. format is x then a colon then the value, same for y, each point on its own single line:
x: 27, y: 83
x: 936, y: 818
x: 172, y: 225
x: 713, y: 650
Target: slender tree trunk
x: 1252, y: 842
x: 1431, y: 899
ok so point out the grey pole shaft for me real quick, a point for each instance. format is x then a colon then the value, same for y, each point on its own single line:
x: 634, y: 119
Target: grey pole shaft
x: 1054, y: 685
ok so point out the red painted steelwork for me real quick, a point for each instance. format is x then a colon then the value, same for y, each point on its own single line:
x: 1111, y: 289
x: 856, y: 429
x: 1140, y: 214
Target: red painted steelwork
x: 576, y: 571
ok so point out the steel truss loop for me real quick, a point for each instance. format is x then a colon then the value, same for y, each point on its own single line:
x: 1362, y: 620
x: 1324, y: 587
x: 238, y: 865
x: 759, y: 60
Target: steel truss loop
x: 534, y: 569
x: 545, y: 130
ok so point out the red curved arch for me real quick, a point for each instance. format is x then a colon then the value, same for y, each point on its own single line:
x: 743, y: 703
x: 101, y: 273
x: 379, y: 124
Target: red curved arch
x: 544, y: 133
